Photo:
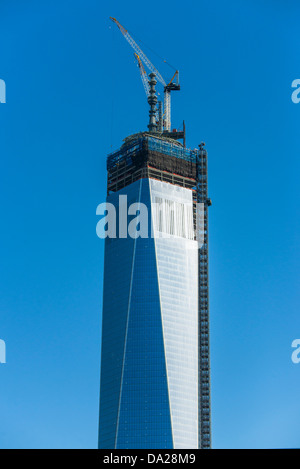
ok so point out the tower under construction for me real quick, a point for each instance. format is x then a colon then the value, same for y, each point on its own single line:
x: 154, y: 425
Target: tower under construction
x: 155, y: 362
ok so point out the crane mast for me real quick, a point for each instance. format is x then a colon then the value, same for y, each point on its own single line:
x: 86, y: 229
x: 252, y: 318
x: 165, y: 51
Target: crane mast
x: 142, y: 58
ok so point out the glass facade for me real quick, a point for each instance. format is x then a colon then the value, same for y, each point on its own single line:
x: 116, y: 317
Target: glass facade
x: 149, y: 362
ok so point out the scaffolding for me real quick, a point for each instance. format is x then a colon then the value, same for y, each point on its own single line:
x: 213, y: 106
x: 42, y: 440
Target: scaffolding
x: 144, y: 141
x: 203, y: 306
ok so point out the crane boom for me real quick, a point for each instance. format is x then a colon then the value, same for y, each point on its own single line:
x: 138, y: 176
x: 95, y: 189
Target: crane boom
x: 142, y: 58
x: 139, y: 51
x: 143, y: 74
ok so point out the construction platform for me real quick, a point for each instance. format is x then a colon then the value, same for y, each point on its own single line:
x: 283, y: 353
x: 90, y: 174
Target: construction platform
x: 145, y: 155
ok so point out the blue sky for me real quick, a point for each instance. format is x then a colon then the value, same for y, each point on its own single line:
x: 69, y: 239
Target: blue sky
x: 73, y: 94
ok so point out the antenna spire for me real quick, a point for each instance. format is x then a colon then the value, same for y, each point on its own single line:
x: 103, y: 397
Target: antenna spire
x: 152, y: 100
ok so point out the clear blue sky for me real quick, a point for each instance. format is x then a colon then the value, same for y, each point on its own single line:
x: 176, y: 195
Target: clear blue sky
x: 73, y: 93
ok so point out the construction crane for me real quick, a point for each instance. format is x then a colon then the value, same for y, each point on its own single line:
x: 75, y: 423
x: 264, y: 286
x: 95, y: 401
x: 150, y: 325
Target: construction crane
x: 144, y: 77
x: 143, y: 74
x: 171, y: 86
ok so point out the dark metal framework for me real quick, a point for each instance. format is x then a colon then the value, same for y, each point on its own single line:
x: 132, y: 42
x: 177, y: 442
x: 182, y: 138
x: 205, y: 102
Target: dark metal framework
x: 203, y: 306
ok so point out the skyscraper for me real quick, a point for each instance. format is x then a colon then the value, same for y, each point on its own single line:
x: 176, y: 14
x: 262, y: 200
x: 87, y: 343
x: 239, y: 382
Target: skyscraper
x: 155, y: 372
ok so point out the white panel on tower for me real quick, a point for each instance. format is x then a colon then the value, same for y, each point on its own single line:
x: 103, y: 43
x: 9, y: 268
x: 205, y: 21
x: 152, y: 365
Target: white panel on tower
x: 177, y: 266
